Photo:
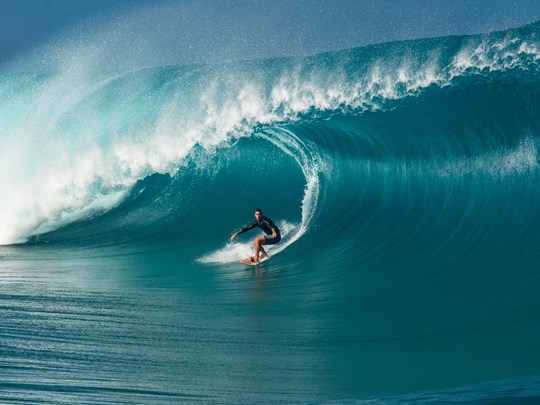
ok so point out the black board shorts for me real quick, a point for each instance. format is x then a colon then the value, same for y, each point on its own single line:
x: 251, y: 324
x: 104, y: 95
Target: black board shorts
x: 271, y: 241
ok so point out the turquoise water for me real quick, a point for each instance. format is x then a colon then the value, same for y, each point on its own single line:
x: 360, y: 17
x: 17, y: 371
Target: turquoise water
x: 404, y: 177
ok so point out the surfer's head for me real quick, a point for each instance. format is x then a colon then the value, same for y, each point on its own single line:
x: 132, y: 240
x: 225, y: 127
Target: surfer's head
x: 258, y: 214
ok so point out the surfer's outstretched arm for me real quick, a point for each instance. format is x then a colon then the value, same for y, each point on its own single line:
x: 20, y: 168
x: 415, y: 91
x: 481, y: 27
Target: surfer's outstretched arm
x: 244, y: 229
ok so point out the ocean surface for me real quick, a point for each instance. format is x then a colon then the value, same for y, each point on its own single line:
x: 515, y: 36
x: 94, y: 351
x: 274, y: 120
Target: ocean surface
x: 404, y: 177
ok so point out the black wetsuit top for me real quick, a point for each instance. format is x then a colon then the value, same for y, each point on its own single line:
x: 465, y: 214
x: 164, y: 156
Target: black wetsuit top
x: 265, y: 224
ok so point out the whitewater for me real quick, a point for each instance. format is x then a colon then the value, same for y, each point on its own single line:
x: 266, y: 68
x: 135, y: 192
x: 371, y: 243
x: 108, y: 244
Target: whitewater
x: 404, y: 177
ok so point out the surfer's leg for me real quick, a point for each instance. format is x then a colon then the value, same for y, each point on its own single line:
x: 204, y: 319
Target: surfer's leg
x: 268, y: 240
x: 258, y: 247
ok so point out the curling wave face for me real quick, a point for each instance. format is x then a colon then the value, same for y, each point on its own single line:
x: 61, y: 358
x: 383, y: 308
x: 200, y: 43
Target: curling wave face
x: 79, y: 145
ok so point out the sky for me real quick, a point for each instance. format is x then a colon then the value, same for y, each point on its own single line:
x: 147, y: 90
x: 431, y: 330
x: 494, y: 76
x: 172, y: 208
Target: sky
x: 208, y: 31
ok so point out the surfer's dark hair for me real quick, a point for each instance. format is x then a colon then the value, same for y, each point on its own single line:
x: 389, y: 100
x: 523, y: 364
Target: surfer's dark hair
x: 258, y: 210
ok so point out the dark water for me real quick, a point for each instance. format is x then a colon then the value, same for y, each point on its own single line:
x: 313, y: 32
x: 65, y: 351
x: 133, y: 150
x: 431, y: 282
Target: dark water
x: 403, y: 176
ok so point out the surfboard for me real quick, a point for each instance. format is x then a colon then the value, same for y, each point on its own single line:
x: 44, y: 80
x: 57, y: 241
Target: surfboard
x: 247, y: 261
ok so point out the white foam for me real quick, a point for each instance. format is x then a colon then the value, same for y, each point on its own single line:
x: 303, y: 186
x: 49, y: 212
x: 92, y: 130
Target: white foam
x: 235, y: 250
x: 500, y: 163
x: 486, y: 53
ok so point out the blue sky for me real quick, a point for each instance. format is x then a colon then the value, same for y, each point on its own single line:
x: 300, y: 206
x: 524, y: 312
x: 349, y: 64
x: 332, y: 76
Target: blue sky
x: 187, y: 31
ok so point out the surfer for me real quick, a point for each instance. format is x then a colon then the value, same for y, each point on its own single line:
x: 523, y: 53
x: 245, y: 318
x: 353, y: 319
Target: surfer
x: 271, y: 237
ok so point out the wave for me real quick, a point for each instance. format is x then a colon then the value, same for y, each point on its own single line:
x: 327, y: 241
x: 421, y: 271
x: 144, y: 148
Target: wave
x: 77, y: 145
x: 404, y: 177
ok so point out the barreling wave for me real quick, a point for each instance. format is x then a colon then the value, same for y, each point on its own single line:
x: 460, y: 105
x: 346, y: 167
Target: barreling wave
x: 90, y: 156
